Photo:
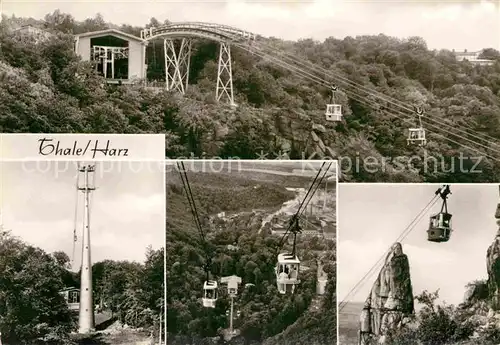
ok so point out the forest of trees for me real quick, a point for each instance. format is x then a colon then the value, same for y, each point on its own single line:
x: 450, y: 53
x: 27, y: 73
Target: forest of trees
x: 46, y: 88
x: 447, y: 324
x: 266, y: 317
x: 32, y: 311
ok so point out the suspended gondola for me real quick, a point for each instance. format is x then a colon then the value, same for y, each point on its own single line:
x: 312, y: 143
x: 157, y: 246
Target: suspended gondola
x: 209, y: 293
x: 210, y: 286
x: 333, y: 110
x: 417, y: 135
x: 287, y: 268
x: 288, y: 263
x: 440, y: 223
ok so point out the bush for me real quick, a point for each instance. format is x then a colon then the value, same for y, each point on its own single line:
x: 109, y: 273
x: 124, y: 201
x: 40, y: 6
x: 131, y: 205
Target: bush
x: 435, y: 324
x: 404, y: 336
x: 490, y: 334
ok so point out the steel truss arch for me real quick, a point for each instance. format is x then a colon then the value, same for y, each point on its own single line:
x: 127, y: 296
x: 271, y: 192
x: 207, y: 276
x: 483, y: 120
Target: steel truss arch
x: 209, y: 30
x: 177, y: 61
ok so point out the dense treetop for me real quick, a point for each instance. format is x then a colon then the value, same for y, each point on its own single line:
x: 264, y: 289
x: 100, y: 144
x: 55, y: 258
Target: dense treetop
x: 46, y: 88
x: 32, y: 310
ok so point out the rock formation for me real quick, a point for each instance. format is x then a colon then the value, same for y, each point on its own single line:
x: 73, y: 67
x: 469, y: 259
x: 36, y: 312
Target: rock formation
x: 390, y: 301
x: 493, y: 266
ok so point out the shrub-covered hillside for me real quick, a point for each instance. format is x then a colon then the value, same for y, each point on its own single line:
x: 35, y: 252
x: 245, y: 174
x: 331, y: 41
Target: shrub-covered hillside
x: 32, y: 310
x: 46, y: 88
x: 238, y: 247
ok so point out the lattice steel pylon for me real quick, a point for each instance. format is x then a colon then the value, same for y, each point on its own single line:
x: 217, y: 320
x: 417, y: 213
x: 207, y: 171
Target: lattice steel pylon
x: 177, y: 64
x: 225, y: 74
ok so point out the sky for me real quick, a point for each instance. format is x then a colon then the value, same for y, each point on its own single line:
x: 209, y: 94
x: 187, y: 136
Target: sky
x: 467, y: 24
x: 371, y: 218
x: 127, y: 212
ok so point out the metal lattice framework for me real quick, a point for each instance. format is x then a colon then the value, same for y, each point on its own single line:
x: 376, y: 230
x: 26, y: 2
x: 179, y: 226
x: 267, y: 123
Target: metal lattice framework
x: 224, y: 73
x: 100, y: 52
x: 105, y: 55
x: 178, y: 56
x: 177, y: 64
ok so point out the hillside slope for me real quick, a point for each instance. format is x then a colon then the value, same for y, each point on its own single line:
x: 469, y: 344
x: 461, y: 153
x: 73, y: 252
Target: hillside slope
x: 237, y: 247
x: 278, y: 112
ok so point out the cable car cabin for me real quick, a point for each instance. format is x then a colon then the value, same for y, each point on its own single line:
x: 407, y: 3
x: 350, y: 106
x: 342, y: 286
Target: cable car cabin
x: 333, y: 112
x: 439, y: 227
x: 416, y: 136
x: 209, y: 294
x: 287, y: 273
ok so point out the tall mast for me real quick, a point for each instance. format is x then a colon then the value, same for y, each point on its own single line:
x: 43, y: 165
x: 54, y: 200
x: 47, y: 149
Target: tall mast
x: 86, y: 317
x: 326, y: 195
x: 160, y: 338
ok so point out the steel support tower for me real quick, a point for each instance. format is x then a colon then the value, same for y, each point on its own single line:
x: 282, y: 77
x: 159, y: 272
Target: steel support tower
x: 326, y: 195
x: 86, y: 315
x: 177, y: 64
x: 160, y: 335
x: 232, y: 289
x: 224, y: 86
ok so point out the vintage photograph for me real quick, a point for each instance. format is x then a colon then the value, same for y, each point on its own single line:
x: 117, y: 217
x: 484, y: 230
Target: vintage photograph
x: 251, y: 252
x: 82, y: 253
x: 419, y: 264
x: 396, y: 91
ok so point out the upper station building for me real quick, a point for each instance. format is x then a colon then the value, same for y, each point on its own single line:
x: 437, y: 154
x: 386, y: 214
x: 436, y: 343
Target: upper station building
x: 472, y: 57
x: 119, y: 57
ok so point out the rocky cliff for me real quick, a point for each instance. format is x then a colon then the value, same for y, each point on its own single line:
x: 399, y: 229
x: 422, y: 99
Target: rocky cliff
x: 390, y: 301
x: 309, y: 135
x: 493, y: 266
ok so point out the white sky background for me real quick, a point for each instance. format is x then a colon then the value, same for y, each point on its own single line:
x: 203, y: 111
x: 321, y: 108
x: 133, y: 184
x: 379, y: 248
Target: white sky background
x: 472, y: 25
x: 127, y: 215
x: 372, y: 217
